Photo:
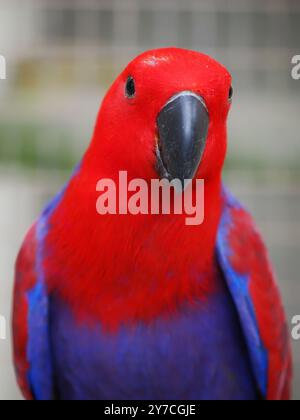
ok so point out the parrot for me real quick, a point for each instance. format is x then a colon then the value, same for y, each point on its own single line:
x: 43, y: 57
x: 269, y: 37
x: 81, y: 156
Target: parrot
x: 143, y: 307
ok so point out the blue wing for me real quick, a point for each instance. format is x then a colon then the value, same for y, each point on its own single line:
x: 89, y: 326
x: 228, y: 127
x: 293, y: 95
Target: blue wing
x: 32, y: 347
x: 245, y: 264
x: 32, y: 354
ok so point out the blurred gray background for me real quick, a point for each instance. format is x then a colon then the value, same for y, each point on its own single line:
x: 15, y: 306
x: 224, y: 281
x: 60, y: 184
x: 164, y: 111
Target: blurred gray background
x: 62, y: 56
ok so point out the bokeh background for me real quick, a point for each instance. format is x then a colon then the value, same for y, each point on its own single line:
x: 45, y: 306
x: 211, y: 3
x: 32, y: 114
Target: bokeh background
x: 63, y: 54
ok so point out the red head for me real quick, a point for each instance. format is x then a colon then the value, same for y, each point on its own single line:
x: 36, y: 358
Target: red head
x: 165, y: 114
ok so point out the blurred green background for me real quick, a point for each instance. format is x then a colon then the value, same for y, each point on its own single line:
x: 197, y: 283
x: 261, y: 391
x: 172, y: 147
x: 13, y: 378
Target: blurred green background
x: 63, y: 54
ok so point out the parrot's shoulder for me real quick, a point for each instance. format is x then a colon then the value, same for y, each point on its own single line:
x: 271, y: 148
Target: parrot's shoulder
x: 25, y: 280
x: 32, y: 356
x: 244, y: 260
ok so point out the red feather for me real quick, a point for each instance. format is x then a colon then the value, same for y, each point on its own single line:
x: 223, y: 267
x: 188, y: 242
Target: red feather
x: 266, y: 299
x: 25, y: 280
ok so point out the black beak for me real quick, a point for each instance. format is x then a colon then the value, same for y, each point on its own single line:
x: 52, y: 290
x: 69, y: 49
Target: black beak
x: 182, y: 130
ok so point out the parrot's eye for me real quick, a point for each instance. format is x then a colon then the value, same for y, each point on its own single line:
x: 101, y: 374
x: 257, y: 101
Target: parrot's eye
x: 230, y: 97
x: 130, y: 88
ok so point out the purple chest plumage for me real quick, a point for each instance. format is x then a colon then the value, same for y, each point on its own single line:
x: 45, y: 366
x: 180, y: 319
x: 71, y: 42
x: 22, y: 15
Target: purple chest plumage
x: 198, y: 353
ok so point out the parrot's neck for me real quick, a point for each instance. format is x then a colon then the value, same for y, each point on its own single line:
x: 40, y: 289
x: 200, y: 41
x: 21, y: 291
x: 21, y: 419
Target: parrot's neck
x: 123, y: 268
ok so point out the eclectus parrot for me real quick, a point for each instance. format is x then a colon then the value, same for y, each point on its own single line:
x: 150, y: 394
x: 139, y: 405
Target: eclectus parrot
x: 139, y: 307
